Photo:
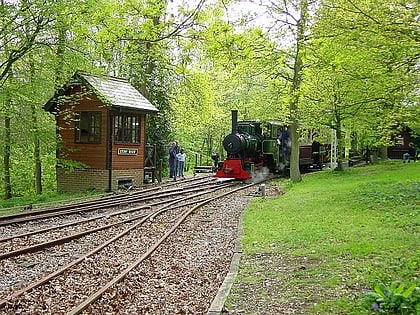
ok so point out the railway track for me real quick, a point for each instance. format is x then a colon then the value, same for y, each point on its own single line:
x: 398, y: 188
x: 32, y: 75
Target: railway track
x: 81, y: 208
x: 56, y: 234
x: 92, y: 265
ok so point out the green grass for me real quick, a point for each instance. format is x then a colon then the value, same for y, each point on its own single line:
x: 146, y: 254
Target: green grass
x: 349, y: 230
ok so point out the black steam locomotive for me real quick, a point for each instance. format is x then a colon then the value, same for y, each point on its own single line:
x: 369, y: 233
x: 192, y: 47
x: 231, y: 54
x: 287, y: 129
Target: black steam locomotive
x: 250, y: 151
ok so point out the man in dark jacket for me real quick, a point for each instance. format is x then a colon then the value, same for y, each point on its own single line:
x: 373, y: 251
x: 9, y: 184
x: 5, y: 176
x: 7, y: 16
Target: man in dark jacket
x: 173, y: 151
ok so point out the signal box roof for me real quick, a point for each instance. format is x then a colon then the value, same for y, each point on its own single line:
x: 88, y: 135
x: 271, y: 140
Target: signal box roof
x: 114, y: 92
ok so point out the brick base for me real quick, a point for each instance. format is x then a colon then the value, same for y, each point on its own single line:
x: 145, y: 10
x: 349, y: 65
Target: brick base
x: 96, y: 179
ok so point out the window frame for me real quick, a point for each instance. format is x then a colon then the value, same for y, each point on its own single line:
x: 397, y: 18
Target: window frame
x: 93, y: 129
x: 124, y: 132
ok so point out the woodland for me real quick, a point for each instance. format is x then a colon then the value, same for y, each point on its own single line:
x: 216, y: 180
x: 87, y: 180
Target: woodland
x: 347, y: 66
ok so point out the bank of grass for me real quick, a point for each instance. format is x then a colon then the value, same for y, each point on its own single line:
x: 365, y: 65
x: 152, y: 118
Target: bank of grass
x: 337, y: 235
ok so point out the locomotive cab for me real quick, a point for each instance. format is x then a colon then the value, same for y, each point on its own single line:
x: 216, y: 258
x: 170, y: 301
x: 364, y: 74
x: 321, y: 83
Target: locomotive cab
x: 271, y: 148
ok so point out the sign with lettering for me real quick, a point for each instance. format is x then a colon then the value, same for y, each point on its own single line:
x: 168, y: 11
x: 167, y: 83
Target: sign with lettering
x: 122, y: 151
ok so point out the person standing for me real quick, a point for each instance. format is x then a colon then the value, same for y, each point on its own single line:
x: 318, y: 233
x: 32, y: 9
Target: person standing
x: 284, y: 143
x: 215, y: 157
x: 410, y: 154
x: 173, y: 151
x: 181, y: 156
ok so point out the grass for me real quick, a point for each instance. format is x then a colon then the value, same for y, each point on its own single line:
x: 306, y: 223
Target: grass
x: 344, y: 232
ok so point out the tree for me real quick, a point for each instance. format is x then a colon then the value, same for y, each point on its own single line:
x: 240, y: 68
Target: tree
x: 290, y: 31
x: 27, y: 41
x: 226, y: 67
x: 6, y: 158
x: 22, y: 25
x: 142, y: 35
x: 295, y: 91
x: 360, y: 77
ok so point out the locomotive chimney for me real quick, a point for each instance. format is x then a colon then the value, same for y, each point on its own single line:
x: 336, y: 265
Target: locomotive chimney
x: 234, y: 120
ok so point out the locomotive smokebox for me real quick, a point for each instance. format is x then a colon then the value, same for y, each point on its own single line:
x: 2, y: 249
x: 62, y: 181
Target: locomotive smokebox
x: 234, y: 121
x: 235, y: 143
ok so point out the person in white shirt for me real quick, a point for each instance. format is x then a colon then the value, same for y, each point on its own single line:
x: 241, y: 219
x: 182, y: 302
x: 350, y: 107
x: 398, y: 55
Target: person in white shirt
x: 181, y: 156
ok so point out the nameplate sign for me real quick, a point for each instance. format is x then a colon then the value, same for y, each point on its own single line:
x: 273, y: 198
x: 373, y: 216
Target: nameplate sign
x: 128, y: 151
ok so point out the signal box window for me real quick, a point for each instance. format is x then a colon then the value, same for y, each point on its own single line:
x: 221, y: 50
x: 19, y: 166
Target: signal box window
x: 87, y: 127
x: 127, y: 129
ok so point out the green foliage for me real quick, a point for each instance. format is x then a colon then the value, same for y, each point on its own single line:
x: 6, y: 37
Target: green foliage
x: 158, y: 127
x: 395, y: 299
x: 41, y: 47
x: 196, y: 64
x: 362, y: 78
x: 147, y: 62
x: 231, y: 73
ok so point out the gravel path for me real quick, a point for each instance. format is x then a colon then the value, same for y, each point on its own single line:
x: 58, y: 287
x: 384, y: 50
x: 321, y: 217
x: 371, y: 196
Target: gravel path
x: 184, y: 275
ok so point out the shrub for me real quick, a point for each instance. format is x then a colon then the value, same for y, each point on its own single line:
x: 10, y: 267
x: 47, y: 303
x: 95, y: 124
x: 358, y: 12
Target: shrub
x: 395, y: 299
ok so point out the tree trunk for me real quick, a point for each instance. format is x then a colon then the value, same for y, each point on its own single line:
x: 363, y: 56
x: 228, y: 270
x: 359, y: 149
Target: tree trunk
x: 150, y: 67
x: 383, y: 153
x: 38, y: 166
x: 340, y: 147
x: 6, y: 158
x: 37, y: 149
x: 295, y: 175
x: 37, y: 153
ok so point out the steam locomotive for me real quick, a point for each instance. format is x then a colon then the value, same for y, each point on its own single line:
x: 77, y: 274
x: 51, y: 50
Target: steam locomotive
x: 250, y: 151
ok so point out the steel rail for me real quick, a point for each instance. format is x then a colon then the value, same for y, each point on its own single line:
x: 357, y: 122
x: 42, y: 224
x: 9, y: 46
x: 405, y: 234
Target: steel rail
x: 66, y: 239
x: 95, y: 296
x: 73, y: 205
x: 98, y: 248
x: 9, y: 217
x: 75, y: 222
x: 51, y: 213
